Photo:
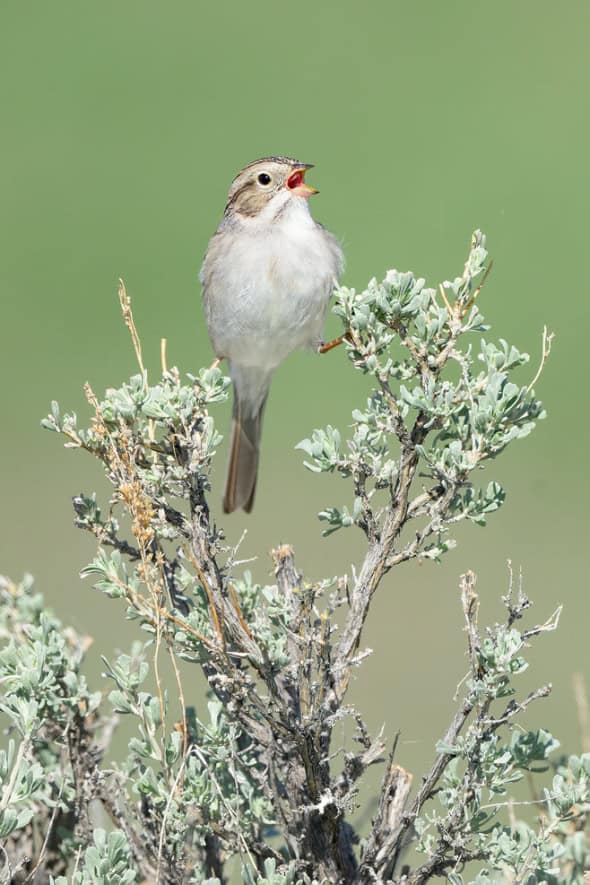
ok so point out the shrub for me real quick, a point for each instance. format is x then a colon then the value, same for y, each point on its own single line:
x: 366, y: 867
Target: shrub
x: 259, y: 775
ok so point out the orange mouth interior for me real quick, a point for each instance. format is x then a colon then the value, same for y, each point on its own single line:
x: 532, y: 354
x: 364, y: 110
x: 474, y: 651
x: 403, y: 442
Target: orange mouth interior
x: 295, y: 179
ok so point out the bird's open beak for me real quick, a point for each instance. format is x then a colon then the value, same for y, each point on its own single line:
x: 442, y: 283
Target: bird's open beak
x: 297, y: 185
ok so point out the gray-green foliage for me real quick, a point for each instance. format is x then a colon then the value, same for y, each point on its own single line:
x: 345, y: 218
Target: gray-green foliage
x: 492, y: 754
x: 214, y: 777
x: 405, y: 335
x: 259, y: 775
x: 46, y: 700
x: 106, y: 862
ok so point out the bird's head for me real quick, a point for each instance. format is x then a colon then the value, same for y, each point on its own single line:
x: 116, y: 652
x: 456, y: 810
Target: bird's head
x: 273, y: 180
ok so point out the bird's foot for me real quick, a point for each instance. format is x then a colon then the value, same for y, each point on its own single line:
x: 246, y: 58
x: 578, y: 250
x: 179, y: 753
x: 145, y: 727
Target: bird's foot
x: 330, y: 345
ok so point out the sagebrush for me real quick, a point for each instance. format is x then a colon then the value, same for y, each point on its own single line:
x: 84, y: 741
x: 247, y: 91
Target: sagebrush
x: 258, y: 777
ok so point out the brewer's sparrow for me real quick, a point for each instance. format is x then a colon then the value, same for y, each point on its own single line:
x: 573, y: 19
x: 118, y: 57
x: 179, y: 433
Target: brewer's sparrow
x: 267, y: 277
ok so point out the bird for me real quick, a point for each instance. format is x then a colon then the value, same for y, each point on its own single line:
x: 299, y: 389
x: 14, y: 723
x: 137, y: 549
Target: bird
x: 267, y: 277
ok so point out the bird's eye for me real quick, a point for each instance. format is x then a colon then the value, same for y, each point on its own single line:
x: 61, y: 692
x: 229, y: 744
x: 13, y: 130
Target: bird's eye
x: 264, y: 178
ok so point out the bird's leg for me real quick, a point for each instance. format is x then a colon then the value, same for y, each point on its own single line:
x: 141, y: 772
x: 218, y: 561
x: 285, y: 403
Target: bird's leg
x: 216, y: 362
x: 330, y: 345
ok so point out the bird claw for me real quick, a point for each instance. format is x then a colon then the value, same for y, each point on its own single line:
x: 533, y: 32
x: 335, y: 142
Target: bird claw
x: 330, y: 345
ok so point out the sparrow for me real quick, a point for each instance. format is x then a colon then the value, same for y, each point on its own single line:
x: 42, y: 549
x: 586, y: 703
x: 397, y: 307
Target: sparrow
x: 266, y: 278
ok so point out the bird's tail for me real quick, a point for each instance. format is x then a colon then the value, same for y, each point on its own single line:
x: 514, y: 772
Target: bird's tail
x: 242, y: 470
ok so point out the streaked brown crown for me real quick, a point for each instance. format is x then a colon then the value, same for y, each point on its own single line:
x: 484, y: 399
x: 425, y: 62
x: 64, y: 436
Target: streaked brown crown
x: 250, y: 192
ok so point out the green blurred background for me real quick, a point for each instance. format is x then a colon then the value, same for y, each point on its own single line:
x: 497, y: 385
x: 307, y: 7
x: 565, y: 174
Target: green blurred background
x: 122, y: 126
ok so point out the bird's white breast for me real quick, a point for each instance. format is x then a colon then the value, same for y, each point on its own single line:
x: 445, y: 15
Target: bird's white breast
x: 272, y: 282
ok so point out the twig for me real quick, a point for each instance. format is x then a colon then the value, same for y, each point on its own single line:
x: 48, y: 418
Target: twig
x: 441, y: 289
x: 77, y: 863
x: 548, y: 626
x: 50, y: 825
x: 163, y: 343
x: 184, y: 725
x: 470, y: 602
x: 473, y: 298
x: 545, y: 351
x: 155, y: 602
x: 583, y: 709
x: 518, y: 607
x: 375, y: 564
x: 111, y: 541
x: 23, y: 749
x: 196, y: 750
x: 171, y: 798
x: 470, y: 608
x: 236, y: 604
x: 135, y: 598
x: 415, y: 547
x: 206, y: 587
x: 383, y: 847
x: 6, y: 872
x: 515, y: 707
x: 125, y: 302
